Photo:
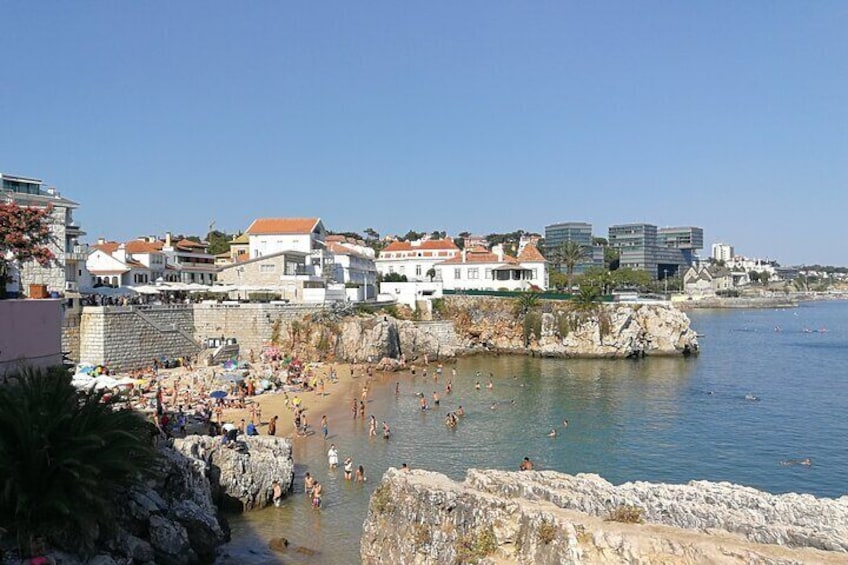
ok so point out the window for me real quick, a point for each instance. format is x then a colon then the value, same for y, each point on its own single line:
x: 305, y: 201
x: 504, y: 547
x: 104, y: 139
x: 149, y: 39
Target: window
x: 473, y: 273
x: 488, y: 274
x: 457, y: 274
x: 391, y: 270
x: 403, y: 270
x: 417, y: 270
x: 267, y: 268
x: 532, y: 274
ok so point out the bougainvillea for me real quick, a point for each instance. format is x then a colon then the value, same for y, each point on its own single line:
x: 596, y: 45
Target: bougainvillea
x: 24, y: 235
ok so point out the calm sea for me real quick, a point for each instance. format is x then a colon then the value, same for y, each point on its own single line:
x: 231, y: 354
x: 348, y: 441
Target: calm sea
x: 665, y: 420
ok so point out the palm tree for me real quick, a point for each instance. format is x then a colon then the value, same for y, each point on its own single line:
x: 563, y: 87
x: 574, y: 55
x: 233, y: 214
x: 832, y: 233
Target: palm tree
x: 65, y: 457
x: 570, y: 254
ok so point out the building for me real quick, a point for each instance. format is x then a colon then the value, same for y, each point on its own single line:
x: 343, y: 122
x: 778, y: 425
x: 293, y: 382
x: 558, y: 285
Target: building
x: 662, y: 253
x: 414, y: 259
x: 284, y: 273
x: 136, y: 262
x: 68, y: 268
x: 706, y: 281
x: 353, y: 265
x: 722, y: 252
x: 267, y: 236
x: 188, y: 261
x: 480, y: 269
x: 579, y: 232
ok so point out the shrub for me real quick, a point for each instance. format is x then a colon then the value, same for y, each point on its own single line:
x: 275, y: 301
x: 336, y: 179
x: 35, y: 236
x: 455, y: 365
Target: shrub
x: 627, y: 513
x: 381, y: 500
x: 547, y: 532
x: 474, y: 546
x: 65, y: 458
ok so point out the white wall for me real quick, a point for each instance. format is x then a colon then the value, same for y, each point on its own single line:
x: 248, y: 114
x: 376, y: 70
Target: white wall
x: 261, y: 245
x: 484, y: 274
x: 408, y: 292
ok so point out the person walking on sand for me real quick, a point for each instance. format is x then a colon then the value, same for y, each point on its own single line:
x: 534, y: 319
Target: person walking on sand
x: 324, y: 428
x: 333, y: 456
x: 272, y: 426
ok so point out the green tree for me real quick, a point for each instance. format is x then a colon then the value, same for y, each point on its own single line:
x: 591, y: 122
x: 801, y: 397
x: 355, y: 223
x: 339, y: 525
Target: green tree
x: 65, y: 460
x: 754, y: 276
x: 612, y: 258
x: 371, y: 233
x: 431, y: 272
x: 24, y: 236
x: 570, y: 254
x: 412, y: 235
x: 526, y: 301
x: 393, y: 277
x: 218, y: 242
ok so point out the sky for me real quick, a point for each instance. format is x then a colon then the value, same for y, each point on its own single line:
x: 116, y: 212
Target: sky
x: 459, y: 116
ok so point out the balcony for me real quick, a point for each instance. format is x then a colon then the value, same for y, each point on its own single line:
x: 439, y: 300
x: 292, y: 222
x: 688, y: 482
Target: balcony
x: 77, y: 253
x: 71, y: 286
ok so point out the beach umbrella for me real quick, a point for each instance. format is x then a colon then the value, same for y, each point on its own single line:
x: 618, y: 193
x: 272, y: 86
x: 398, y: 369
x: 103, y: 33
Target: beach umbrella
x: 218, y: 394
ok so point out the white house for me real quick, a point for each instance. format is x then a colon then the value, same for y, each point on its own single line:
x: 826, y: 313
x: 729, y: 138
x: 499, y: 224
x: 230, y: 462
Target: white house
x: 414, y: 259
x: 306, y: 235
x: 705, y: 282
x: 480, y: 269
x: 189, y: 261
x: 351, y: 265
x: 140, y: 261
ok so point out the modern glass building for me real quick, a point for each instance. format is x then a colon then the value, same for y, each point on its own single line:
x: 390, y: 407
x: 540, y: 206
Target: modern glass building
x: 662, y: 252
x: 580, y: 232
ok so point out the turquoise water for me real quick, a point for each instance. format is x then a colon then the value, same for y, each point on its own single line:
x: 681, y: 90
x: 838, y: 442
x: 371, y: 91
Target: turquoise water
x: 668, y: 420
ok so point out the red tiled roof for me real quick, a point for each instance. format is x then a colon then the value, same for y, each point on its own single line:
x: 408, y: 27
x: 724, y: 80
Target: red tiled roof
x: 480, y: 255
x: 530, y: 254
x: 135, y: 264
x: 108, y: 247
x: 338, y: 249
x: 429, y: 244
x: 143, y: 246
x: 267, y: 226
x: 189, y: 243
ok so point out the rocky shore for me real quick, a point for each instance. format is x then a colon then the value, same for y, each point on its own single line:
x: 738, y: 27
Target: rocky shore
x: 547, y: 517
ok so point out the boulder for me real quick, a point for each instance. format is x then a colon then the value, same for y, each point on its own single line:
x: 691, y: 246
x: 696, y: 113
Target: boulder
x: 242, y: 478
x: 170, y: 540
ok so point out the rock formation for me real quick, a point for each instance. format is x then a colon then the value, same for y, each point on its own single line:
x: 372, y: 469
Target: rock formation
x: 241, y: 478
x: 500, y: 517
x: 565, y: 329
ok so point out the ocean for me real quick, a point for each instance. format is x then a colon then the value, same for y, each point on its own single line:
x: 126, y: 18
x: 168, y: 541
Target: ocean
x: 769, y: 385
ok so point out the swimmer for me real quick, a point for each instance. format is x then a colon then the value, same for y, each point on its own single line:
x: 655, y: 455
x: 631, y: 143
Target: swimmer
x: 459, y: 411
x: 526, y: 465
x: 807, y: 462
x: 565, y: 423
x: 493, y: 406
x: 491, y: 385
x: 477, y: 386
x: 752, y: 397
x: 552, y: 433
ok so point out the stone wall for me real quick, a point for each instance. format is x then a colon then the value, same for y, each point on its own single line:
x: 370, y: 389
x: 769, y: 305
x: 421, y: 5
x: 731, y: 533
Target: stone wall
x: 544, y: 518
x: 128, y: 337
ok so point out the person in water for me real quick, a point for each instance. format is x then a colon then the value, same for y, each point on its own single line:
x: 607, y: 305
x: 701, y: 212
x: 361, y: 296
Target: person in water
x: 807, y: 462
x: 277, y: 493
x: 526, y: 465
x: 552, y: 433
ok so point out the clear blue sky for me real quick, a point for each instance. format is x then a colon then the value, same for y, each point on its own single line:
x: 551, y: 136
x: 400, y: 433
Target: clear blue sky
x: 479, y: 116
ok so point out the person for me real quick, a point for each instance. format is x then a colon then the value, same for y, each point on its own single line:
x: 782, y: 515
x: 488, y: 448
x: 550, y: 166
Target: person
x: 348, y: 468
x: 308, y: 483
x: 272, y: 426
x: 278, y: 493
x: 372, y: 427
x: 459, y: 411
x: 317, y: 490
x: 360, y: 474
x: 565, y: 423
x: 552, y: 433
x: 251, y: 430
x: 806, y: 462
x: 397, y: 389
x: 333, y: 456
x: 477, y: 385
x: 324, y: 428
x: 435, y: 398
x: 491, y: 385
x: 386, y: 431
x: 242, y: 428
x: 423, y: 403
x: 353, y: 409
x: 361, y: 409
x: 404, y: 468
x: 526, y: 465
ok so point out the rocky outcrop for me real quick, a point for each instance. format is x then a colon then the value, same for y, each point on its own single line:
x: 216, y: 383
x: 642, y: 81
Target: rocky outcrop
x: 241, y: 478
x: 565, y: 329
x: 546, y: 517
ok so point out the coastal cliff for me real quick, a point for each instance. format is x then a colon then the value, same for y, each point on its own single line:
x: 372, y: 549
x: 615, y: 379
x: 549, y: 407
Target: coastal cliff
x: 480, y: 324
x: 547, y: 517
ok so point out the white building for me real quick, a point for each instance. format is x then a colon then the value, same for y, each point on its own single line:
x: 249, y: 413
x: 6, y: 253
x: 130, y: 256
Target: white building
x: 353, y: 266
x: 414, y: 259
x: 722, y: 252
x: 189, y: 262
x: 140, y: 261
x: 307, y: 235
x: 480, y: 269
x: 68, y: 269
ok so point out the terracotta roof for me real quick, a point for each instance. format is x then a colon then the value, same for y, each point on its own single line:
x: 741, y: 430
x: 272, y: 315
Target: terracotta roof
x: 108, y: 247
x: 480, y: 255
x: 135, y: 264
x: 530, y: 254
x: 429, y: 244
x: 189, y: 243
x: 266, y: 226
x: 143, y: 246
x: 339, y: 249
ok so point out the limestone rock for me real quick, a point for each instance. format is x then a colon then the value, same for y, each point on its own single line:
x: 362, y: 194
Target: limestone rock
x: 500, y: 517
x: 242, y: 478
x: 170, y: 540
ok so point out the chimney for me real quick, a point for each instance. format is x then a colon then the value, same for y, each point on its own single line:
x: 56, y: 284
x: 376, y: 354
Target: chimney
x: 101, y: 240
x: 167, y: 239
x: 463, y: 255
x: 498, y: 249
x: 121, y: 253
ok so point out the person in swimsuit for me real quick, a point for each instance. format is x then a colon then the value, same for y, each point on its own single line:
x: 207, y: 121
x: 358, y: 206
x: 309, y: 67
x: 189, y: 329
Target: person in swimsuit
x: 277, y: 493
x: 348, y: 469
x: 360, y: 474
x: 386, y: 431
x: 526, y: 465
x: 317, y: 490
x: 372, y: 427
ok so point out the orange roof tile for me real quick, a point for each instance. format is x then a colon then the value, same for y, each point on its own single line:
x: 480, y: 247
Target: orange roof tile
x: 339, y: 249
x: 189, y: 243
x: 480, y: 255
x: 429, y: 244
x: 108, y: 247
x: 143, y: 246
x: 530, y: 254
x: 266, y: 226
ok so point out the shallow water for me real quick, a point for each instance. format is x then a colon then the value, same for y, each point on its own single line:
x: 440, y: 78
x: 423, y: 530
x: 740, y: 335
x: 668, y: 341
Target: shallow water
x: 668, y: 420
